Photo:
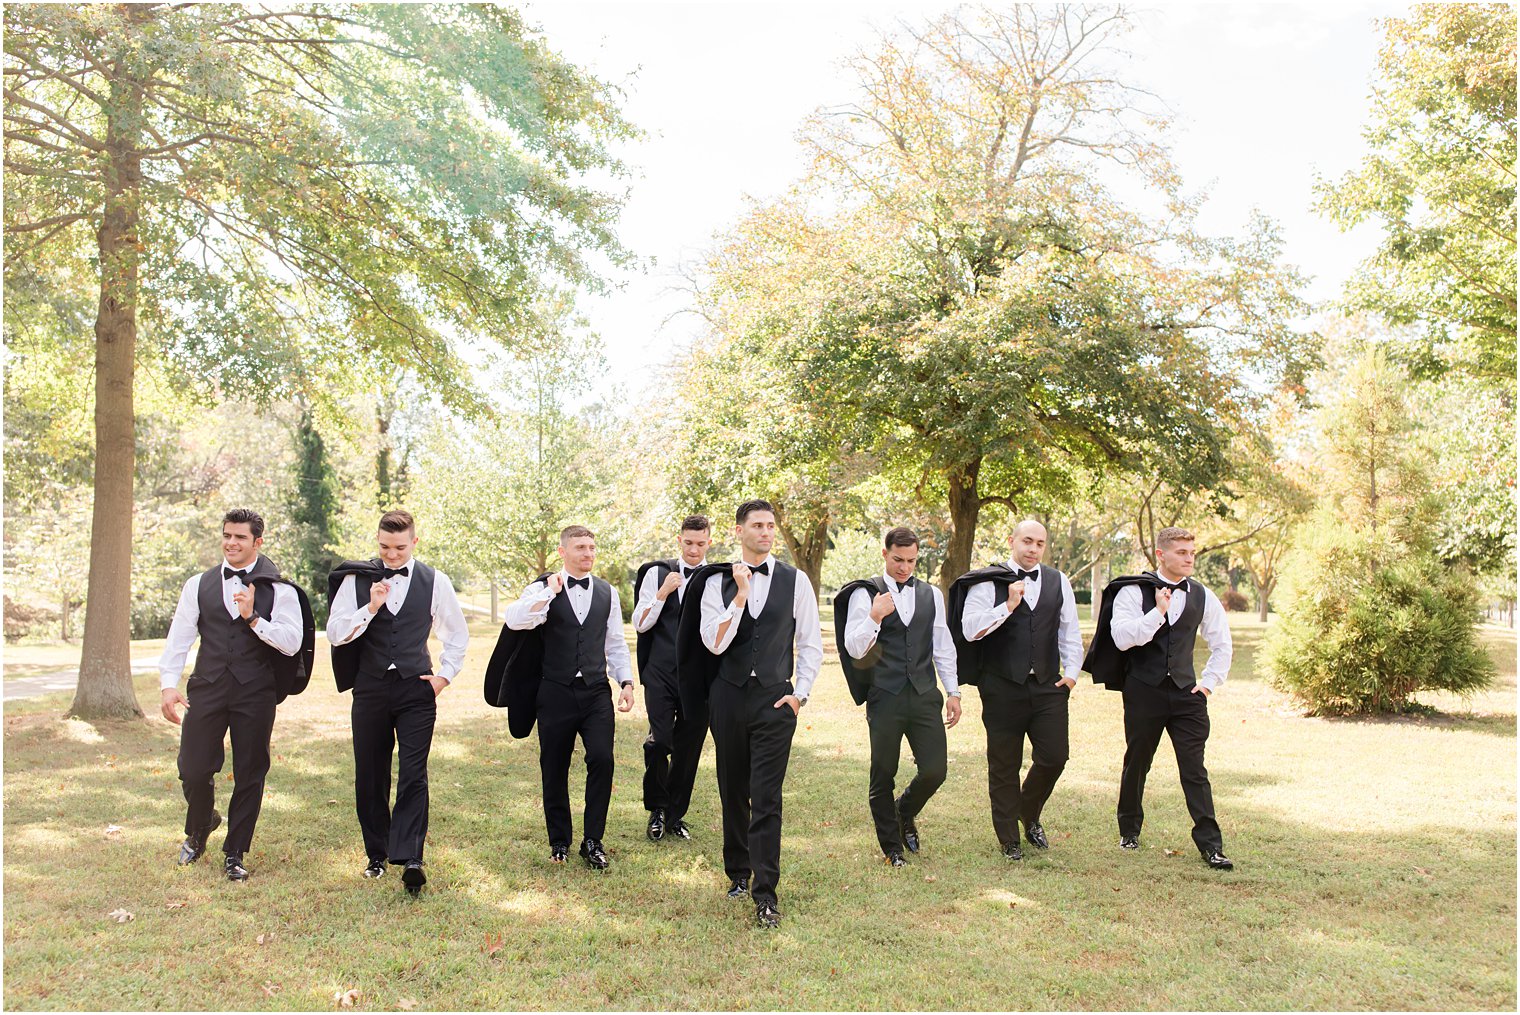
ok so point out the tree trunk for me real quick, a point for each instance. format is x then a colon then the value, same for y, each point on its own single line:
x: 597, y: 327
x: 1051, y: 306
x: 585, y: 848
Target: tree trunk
x: 383, y: 458
x: 1262, y: 594
x: 494, y: 614
x: 965, y: 505
x: 807, y: 543
x: 105, y: 667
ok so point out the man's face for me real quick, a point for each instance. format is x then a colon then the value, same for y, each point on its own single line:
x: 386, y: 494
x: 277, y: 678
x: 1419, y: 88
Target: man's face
x: 757, y: 532
x: 1177, y: 559
x: 694, y: 544
x: 579, y: 555
x: 901, y: 560
x: 238, y: 544
x: 396, y: 547
x: 1027, y: 545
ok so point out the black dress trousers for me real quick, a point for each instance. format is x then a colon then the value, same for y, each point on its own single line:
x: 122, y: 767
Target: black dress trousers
x: 566, y: 711
x: 890, y: 717
x: 218, y: 707
x: 1010, y: 712
x: 753, y: 742
x: 1184, y: 716
x: 673, y: 749
x: 392, y: 714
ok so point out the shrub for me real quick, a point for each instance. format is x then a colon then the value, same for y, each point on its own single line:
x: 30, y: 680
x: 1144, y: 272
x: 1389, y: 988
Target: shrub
x: 1235, y: 601
x: 1368, y: 622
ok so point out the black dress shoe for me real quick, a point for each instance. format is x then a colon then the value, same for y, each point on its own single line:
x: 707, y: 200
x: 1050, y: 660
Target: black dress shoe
x: 767, y: 915
x: 738, y: 889
x: 375, y: 868
x: 413, y: 878
x: 1012, y: 851
x: 1129, y: 842
x: 680, y: 831
x: 896, y: 859
x: 1219, y: 861
x: 594, y: 855
x: 909, y: 829
x: 558, y: 854
x: 1036, y: 836
x: 656, y: 830
x: 233, y: 867
x: 194, y: 846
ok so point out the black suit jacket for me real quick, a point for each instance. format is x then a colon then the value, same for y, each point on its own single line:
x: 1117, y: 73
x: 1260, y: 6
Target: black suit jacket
x: 1104, y: 661
x: 644, y: 640
x: 291, y: 673
x: 858, y: 683
x: 968, y: 654
x: 696, y: 667
x: 514, y: 673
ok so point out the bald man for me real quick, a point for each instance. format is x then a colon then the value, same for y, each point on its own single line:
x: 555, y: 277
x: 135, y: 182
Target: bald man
x: 1023, y: 618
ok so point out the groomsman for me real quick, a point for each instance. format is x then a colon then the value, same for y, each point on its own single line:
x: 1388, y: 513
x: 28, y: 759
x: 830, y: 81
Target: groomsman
x: 1152, y: 622
x: 895, y: 642
x: 583, y: 645
x: 1021, y: 619
x: 754, y: 615
x: 675, y: 738
x: 381, y: 613
x: 250, y: 624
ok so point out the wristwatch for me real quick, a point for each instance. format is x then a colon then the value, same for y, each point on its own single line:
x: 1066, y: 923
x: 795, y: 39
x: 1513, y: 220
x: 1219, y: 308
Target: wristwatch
x: 251, y: 619
x: 800, y: 701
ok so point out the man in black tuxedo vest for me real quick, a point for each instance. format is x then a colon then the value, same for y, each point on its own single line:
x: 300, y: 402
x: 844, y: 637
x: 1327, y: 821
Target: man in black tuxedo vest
x: 1155, y: 625
x: 583, y: 644
x: 751, y: 616
x: 380, y: 650
x: 1022, y: 620
x: 895, y: 640
x: 247, y: 619
x: 675, y: 738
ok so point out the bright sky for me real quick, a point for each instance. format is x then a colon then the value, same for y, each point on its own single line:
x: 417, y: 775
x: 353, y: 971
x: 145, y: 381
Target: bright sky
x: 1264, y: 98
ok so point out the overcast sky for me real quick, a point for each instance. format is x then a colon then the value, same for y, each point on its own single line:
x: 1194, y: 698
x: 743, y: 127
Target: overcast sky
x: 1264, y: 97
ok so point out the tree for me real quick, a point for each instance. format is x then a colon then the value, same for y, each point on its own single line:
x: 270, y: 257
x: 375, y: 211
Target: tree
x: 252, y: 181
x: 312, y: 501
x: 1439, y: 180
x: 959, y: 279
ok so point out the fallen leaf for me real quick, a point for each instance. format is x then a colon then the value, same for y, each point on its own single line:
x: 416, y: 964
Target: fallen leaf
x: 114, y: 831
x: 120, y: 915
x: 270, y: 989
x: 494, y: 943
x: 1115, y: 887
x: 332, y: 801
x: 1172, y: 852
x: 930, y: 877
x: 347, y: 998
x: 265, y: 938
x: 174, y: 905
x: 1422, y: 872
x: 406, y: 1004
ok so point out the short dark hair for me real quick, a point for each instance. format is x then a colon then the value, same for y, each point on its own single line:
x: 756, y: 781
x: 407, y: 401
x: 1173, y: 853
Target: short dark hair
x: 749, y: 507
x: 696, y: 523
x: 901, y: 536
x: 398, y: 521
x: 248, y: 517
x: 570, y: 532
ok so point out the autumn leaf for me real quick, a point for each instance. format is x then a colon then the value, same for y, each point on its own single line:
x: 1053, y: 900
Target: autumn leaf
x: 176, y: 904
x: 114, y: 831
x: 270, y: 989
x: 347, y: 998
x: 120, y: 915
x: 1171, y: 852
x: 406, y: 1004
x: 265, y: 938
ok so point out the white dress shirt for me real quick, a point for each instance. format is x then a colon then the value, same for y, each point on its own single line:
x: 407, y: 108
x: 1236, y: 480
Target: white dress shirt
x: 349, y: 618
x: 521, y: 616
x: 650, y: 604
x: 985, y: 613
x: 1131, y: 628
x: 282, y: 631
x: 808, y: 653
x: 860, y: 630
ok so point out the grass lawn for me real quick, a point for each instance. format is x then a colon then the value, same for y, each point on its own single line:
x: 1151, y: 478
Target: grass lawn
x: 1375, y: 870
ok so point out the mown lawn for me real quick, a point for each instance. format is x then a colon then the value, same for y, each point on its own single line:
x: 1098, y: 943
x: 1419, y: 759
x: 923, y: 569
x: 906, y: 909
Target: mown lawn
x: 1375, y: 869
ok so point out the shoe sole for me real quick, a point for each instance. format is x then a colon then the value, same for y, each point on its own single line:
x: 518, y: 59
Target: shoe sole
x: 653, y: 835
x: 414, y: 879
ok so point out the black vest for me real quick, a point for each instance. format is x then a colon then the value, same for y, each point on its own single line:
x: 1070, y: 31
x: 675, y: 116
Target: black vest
x: 228, y: 644
x: 1169, y: 655
x: 906, y: 650
x: 763, y: 646
x: 571, y: 647
x: 1028, y: 639
x: 662, y: 649
x: 398, y: 639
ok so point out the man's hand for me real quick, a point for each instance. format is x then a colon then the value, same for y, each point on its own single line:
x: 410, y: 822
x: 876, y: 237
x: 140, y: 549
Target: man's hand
x: 1200, y: 689
x: 378, y: 592
x: 1015, y: 595
x: 170, y: 699
x: 882, y: 605
x: 625, y: 698
x: 791, y: 701
x: 952, y: 711
x: 438, y: 683
x: 1163, y: 600
x: 1066, y: 682
x: 670, y: 584
x: 243, y: 599
x: 556, y: 583
x: 741, y: 578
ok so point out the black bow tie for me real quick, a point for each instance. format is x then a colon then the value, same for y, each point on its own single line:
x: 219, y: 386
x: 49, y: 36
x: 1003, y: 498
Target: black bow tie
x: 228, y: 574
x: 392, y: 572
x: 686, y: 570
x: 905, y: 584
x: 583, y: 583
x: 1168, y: 585
x: 1026, y: 576
x: 764, y: 569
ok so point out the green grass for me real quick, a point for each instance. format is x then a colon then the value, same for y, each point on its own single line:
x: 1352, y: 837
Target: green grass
x: 1375, y: 869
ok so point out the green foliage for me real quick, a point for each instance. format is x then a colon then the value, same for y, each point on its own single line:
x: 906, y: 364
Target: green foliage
x: 1440, y: 182
x: 1370, y: 622
x: 312, y: 501
x: 852, y: 555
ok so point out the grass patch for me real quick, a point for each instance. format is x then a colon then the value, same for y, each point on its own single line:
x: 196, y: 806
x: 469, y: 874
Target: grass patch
x: 1376, y: 869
